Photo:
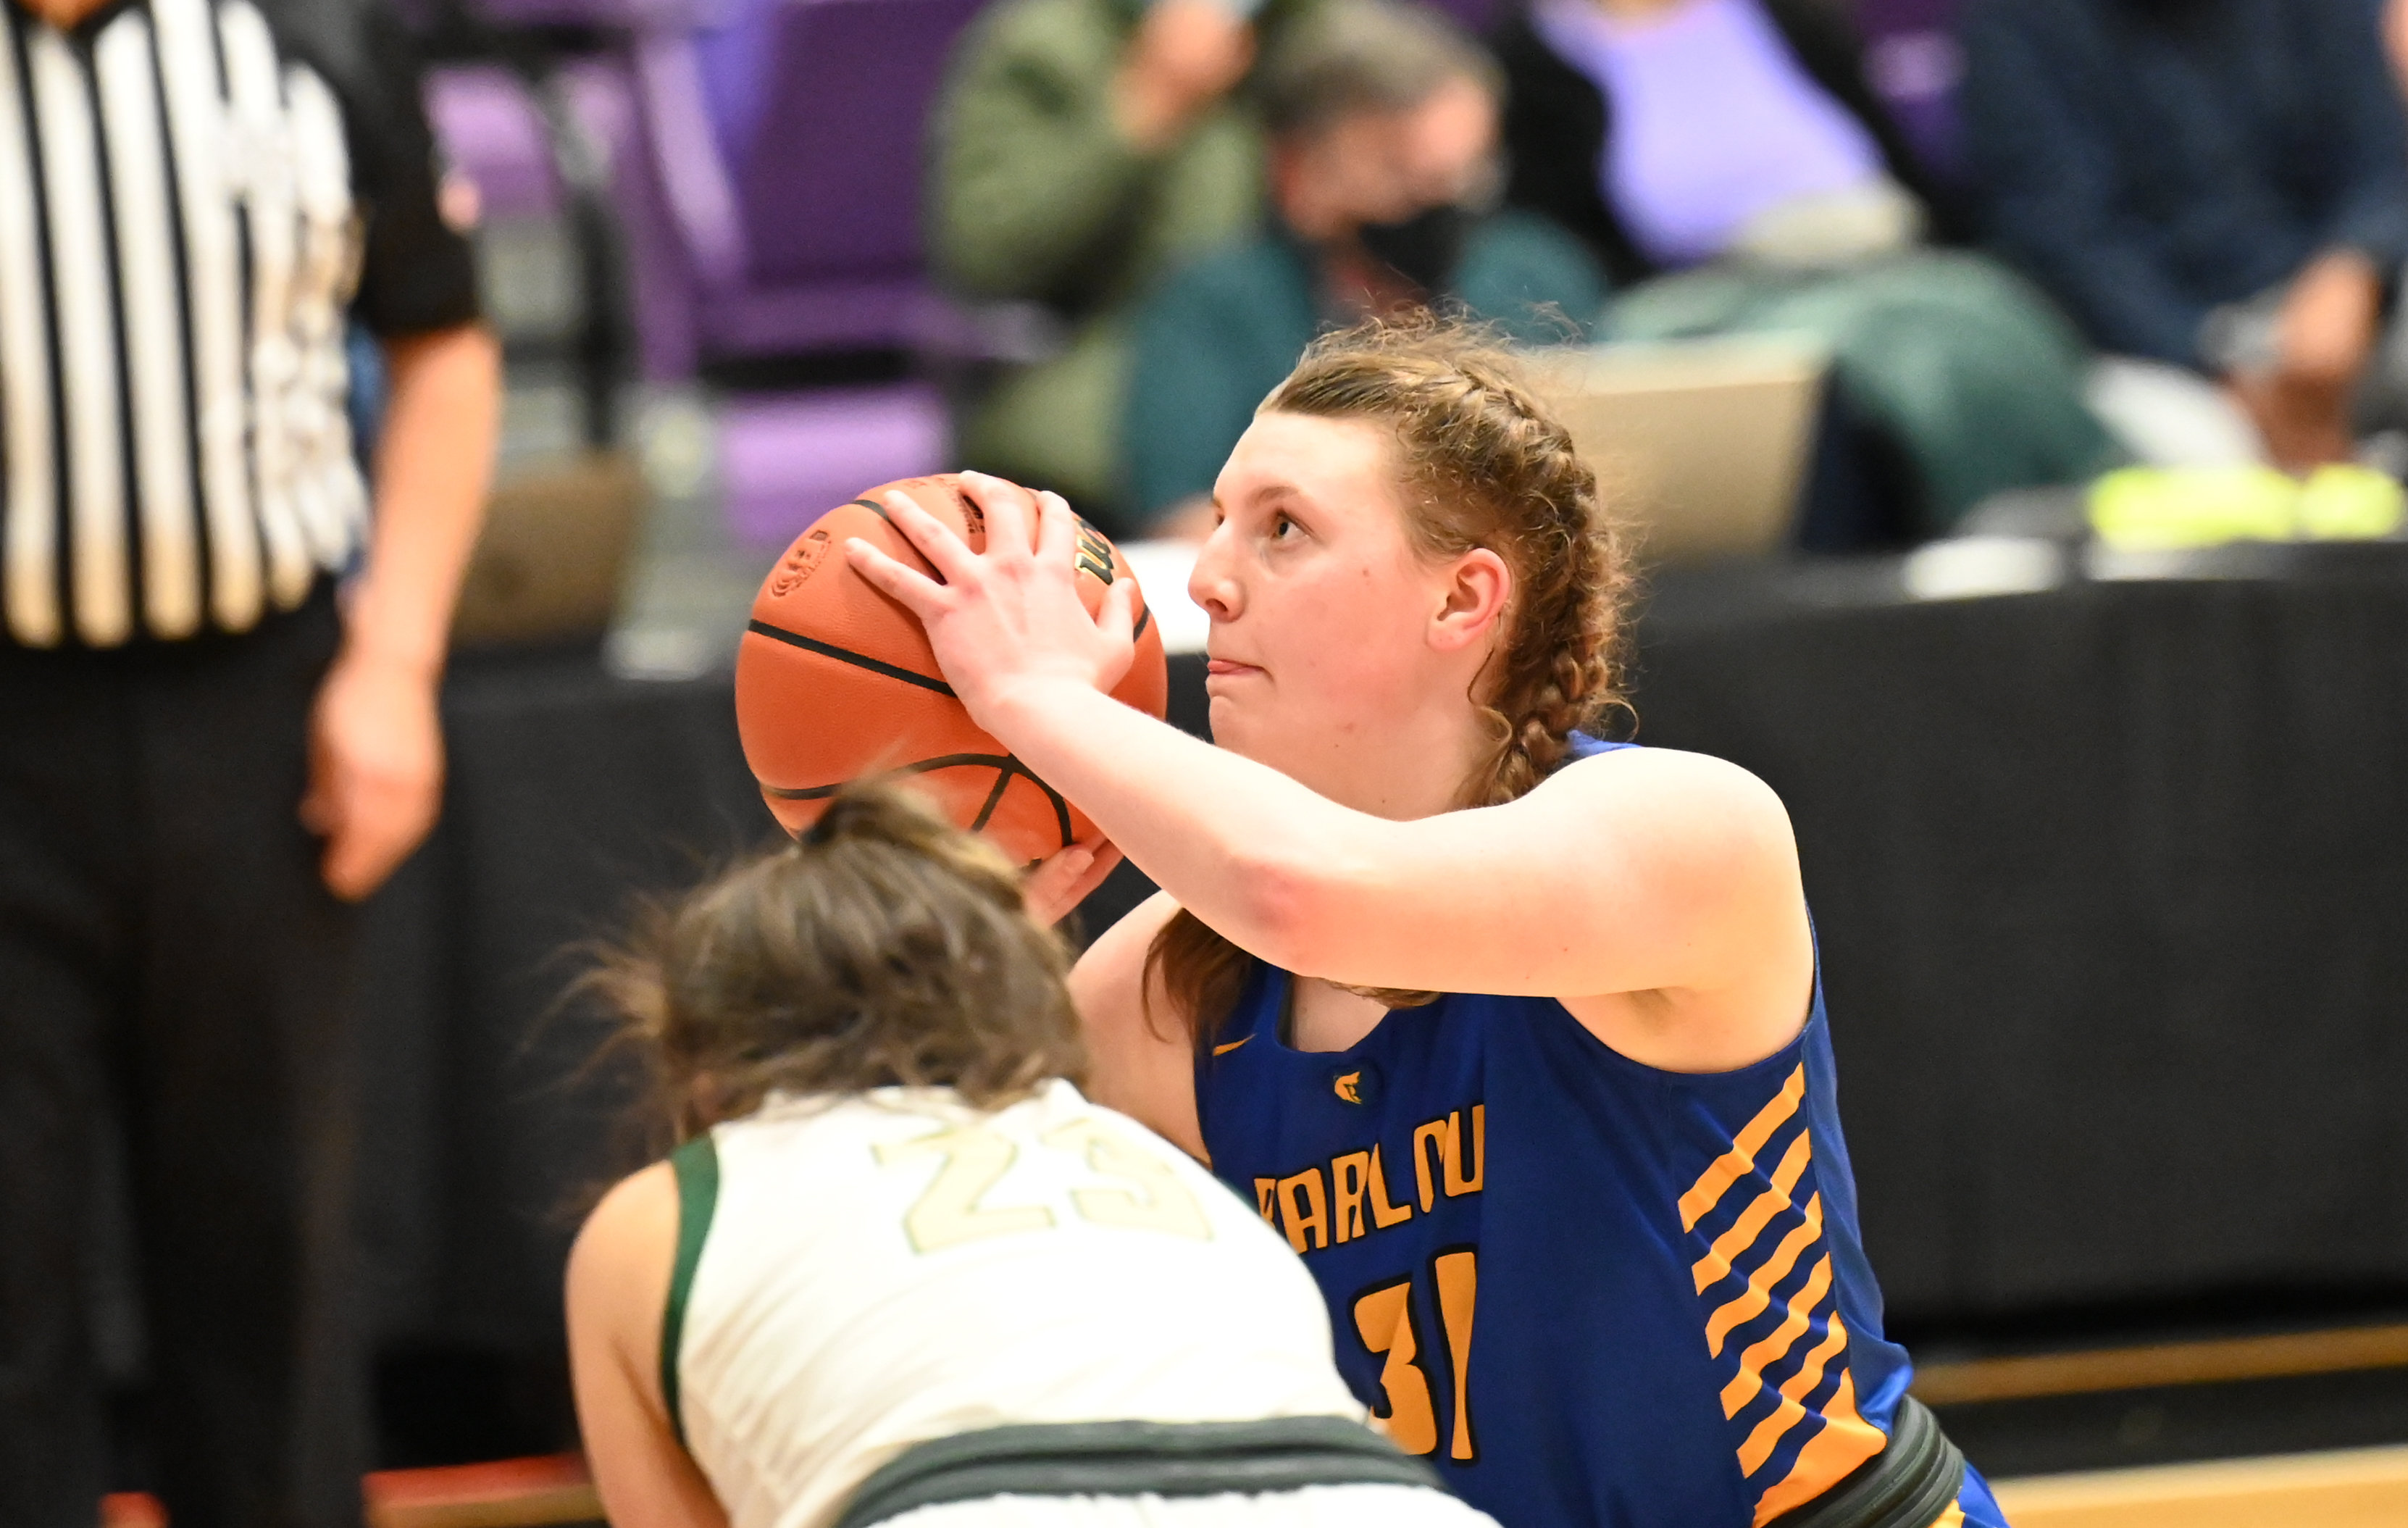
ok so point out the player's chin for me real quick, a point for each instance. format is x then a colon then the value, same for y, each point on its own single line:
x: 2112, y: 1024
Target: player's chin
x: 1236, y: 726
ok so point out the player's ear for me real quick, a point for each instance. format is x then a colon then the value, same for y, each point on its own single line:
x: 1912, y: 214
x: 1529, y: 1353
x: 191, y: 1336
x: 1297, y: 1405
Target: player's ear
x: 1477, y: 587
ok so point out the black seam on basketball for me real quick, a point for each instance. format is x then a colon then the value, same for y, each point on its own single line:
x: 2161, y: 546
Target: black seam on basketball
x: 995, y: 797
x: 828, y: 650
x: 1061, y: 807
x: 925, y: 766
x: 1144, y: 617
x: 873, y: 509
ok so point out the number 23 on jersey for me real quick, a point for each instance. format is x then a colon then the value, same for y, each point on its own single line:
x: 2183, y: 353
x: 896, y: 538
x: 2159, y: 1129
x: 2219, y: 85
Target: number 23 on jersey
x: 972, y: 1159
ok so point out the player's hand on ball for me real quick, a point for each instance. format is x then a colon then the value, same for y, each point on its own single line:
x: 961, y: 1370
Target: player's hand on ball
x: 1009, y: 616
x: 1062, y: 881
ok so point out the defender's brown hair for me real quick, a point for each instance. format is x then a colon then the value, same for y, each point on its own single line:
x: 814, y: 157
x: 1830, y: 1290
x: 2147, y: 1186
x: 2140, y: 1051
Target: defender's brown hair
x: 1482, y: 464
x: 885, y: 947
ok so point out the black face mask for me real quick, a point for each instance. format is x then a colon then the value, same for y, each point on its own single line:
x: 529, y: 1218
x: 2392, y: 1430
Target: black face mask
x: 1424, y: 247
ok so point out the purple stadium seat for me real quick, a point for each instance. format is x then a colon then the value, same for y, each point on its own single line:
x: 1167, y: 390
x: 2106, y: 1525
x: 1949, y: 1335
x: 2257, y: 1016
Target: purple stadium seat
x: 803, y: 235
x: 767, y: 173
x: 785, y: 457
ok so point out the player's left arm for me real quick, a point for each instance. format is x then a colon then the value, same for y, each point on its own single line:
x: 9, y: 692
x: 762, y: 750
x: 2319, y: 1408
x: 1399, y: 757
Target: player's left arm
x: 1645, y: 871
x: 618, y: 1289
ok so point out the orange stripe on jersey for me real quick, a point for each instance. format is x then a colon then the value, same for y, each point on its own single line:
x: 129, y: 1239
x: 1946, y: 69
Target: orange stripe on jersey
x: 1716, y: 1265
x: 1754, y: 1301
x: 1740, y: 1160
x: 1791, y: 1408
x: 1771, y: 1349
x: 1846, y: 1441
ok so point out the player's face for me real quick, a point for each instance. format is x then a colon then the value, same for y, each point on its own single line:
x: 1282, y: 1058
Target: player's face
x: 1320, y: 604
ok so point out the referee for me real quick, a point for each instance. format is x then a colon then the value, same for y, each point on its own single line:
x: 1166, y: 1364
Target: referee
x: 211, y: 747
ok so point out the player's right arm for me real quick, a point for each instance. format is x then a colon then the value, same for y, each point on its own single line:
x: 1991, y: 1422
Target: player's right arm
x: 1141, y: 1060
x: 619, y: 1275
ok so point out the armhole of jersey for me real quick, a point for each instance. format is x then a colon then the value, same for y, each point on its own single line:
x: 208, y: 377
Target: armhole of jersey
x: 697, y: 1167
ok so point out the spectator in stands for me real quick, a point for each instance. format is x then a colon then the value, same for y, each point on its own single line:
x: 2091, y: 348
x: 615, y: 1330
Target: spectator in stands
x: 1728, y: 163
x: 2218, y: 187
x: 1082, y: 149
x: 1383, y: 164
x: 206, y: 758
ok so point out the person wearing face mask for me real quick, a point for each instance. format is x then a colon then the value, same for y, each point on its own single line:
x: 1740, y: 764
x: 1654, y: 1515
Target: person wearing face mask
x: 1727, y: 163
x: 1383, y: 169
x: 1080, y: 149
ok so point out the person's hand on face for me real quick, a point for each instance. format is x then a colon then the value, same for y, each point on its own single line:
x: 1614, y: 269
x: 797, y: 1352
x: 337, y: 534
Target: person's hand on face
x: 2324, y: 335
x: 1008, y: 619
x: 2328, y: 323
x: 1187, y: 54
x: 2303, y: 422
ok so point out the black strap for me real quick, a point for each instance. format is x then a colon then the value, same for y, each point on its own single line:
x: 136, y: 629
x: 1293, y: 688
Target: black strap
x: 1130, y: 1459
x: 1906, y: 1485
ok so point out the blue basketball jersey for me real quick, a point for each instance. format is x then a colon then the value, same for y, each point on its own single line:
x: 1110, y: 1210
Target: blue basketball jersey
x: 1589, y: 1291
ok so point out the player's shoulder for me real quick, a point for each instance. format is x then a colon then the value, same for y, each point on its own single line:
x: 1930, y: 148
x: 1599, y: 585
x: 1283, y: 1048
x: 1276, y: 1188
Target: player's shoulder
x: 637, y: 1216
x: 620, y: 1268
x: 1140, y: 1058
x: 1672, y: 774
x: 1112, y: 970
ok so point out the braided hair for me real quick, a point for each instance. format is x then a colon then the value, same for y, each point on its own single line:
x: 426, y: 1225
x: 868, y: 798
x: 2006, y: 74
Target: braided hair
x: 1482, y: 464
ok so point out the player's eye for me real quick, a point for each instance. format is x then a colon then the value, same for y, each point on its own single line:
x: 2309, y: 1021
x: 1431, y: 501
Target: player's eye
x: 1281, y: 525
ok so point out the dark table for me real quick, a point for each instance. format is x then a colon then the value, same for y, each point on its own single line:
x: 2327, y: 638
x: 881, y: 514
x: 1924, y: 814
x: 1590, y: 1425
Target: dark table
x: 2110, y: 882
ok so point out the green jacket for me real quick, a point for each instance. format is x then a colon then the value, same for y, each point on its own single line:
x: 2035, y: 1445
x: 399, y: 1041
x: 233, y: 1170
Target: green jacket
x: 1216, y: 337
x: 1037, y: 197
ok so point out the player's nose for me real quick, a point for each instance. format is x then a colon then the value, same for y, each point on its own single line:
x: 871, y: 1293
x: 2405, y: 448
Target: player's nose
x: 1213, y: 584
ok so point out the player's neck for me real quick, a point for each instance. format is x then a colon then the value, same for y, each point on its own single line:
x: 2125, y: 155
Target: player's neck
x: 1414, y: 767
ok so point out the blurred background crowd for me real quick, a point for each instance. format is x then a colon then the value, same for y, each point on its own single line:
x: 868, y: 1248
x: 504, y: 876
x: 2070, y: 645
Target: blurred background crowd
x: 1858, y: 302
x: 1073, y: 241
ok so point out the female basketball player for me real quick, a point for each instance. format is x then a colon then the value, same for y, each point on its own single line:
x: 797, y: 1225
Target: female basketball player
x: 900, y: 1270
x: 1518, y: 1037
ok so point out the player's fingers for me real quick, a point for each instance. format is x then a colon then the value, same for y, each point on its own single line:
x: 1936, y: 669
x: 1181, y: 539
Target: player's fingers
x: 1062, y: 881
x: 917, y: 593
x: 1106, y: 859
x: 1052, y: 888
x: 1057, y: 531
x: 937, y: 541
x: 1010, y: 513
x: 1117, y: 616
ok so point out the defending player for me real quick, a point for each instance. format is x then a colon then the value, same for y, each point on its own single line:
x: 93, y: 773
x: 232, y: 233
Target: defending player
x: 896, y: 1240
x: 1518, y: 1037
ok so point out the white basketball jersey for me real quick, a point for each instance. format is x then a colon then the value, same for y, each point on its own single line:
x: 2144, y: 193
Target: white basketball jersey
x: 898, y: 1266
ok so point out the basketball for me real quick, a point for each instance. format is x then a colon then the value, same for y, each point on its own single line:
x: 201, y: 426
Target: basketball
x: 835, y: 680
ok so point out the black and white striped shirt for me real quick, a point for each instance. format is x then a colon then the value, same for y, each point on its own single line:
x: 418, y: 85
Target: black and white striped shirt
x: 191, y: 200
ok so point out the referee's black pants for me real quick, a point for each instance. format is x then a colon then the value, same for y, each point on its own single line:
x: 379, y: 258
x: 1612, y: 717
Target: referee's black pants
x: 164, y: 939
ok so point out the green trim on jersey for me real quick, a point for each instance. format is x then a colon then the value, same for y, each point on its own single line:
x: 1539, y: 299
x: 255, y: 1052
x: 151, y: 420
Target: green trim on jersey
x: 696, y: 1166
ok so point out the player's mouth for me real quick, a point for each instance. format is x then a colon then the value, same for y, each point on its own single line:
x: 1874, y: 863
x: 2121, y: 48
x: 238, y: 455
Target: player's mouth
x: 1226, y: 667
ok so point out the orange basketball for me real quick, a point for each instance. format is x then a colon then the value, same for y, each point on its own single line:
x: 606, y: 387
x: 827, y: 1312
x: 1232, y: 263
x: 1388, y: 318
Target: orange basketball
x: 835, y: 680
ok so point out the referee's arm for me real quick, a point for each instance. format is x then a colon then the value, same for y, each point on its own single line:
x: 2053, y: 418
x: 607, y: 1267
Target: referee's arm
x: 376, y: 768
x: 376, y: 775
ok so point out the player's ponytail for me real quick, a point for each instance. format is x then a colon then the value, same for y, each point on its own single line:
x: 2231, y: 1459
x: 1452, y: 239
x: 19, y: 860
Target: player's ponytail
x: 1483, y: 464
x: 885, y: 947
